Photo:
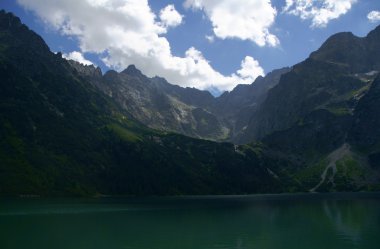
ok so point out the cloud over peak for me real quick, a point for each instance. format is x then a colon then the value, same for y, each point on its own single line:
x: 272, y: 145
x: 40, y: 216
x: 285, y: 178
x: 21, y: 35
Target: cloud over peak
x: 77, y: 56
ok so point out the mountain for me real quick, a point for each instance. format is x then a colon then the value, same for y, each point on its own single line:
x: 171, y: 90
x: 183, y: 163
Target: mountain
x: 319, y: 114
x: 156, y: 103
x: 324, y: 111
x: 189, y: 111
x: 357, y: 54
x: 235, y: 108
x: 61, y: 135
x: 332, y: 78
x: 365, y: 133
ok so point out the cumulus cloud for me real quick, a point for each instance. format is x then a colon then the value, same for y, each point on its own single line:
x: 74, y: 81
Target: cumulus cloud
x: 77, y: 56
x: 128, y: 32
x: 374, y: 16
x: 248, y: 66
x: 170, y: 17
x: 240, y: 19
x: 320, y: 12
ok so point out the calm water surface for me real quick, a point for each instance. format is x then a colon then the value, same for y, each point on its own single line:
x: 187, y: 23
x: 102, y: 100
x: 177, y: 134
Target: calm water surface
x: 336, y: 221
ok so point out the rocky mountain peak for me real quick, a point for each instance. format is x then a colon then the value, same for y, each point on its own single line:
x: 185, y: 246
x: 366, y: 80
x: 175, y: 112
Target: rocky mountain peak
x: 132, y: 71
x: 20, y: 33
x: 374, y: 33
x: 357, y: 54
x: 8, y: 20
x: 86, y: 70
x: 340, y: 48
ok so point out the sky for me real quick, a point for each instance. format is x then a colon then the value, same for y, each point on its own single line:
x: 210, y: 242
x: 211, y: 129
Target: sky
x: 207, y: 44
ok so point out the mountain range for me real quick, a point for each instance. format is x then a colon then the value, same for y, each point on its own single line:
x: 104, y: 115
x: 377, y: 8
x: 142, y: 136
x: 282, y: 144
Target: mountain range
x: 189, y: 111
x: 69, y: 129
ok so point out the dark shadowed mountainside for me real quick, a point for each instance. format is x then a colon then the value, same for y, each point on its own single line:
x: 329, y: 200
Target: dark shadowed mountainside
x: 325, y: 112
x: 333, y: 78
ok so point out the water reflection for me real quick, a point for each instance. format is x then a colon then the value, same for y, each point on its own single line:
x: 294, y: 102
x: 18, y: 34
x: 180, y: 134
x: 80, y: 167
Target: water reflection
x: 242, y: 223
x: 350, y: 219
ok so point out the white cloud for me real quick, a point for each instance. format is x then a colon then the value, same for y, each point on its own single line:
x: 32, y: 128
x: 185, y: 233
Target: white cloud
x: 210, y: 38
x: 248, y: 66
x: 170, y: 17
x: 241, y: 19
x: 128, y: 32
x: 374, y: 16
x: 77, y: 56
x: 320, y: 12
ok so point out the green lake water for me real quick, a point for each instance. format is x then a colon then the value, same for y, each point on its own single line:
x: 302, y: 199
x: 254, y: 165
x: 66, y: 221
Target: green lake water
x: 323, y: 221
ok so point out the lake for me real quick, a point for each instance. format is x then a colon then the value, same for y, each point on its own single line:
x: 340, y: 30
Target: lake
x: 307, y: 221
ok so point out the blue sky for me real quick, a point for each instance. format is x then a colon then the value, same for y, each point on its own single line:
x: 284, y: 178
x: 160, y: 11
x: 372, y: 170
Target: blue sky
x: 207, y: 44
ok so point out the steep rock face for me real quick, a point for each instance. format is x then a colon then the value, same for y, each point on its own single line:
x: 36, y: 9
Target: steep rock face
x: 346, y: 50
x: 365, y: 132
x: 86, y: 70
x: 333, y: 78
x: 310, y: 86
x: 236, y: 107
x: 358, y: 55
x: 248, y: 95
x: 317, y: 134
